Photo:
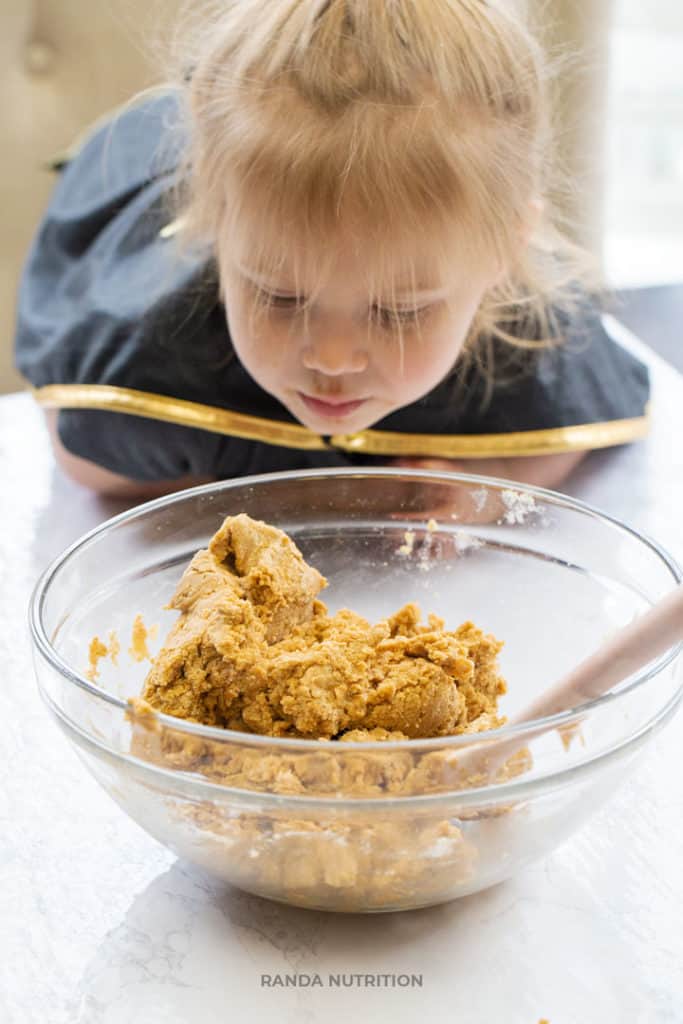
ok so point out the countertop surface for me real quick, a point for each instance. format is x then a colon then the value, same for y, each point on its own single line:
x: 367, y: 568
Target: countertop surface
x: 102, y: 925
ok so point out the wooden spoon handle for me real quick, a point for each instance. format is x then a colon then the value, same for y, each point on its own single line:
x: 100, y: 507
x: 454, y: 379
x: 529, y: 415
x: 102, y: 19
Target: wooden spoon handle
x: 630, y: 649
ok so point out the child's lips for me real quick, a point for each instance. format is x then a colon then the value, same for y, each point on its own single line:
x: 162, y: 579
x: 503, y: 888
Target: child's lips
x: 334, y: 410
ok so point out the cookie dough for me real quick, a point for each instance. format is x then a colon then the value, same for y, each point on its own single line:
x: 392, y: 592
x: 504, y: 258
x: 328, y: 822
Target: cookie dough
x: 254, y: 650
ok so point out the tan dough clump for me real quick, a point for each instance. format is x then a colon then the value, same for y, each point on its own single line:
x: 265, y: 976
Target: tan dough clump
x: 256, y: 651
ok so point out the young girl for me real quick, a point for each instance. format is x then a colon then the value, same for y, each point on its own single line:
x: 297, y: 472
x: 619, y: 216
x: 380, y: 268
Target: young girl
x: 327, y: 245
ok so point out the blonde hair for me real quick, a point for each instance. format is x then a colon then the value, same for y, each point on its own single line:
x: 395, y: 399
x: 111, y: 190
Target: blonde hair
x: 422, y: 122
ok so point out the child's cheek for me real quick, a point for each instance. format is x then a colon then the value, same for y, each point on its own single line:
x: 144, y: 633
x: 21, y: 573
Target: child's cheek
x: 425, y: 363
x: 261, y: 345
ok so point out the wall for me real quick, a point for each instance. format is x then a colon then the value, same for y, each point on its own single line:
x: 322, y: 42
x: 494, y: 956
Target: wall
x: 62, y: 64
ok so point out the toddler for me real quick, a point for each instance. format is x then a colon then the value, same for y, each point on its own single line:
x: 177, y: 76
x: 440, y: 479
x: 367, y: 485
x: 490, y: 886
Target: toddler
x: 328, y: 244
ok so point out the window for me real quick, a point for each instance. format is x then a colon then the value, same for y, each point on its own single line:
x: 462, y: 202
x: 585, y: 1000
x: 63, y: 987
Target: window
x: 644, y: 202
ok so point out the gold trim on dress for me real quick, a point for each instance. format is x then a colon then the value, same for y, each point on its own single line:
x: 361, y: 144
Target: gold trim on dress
x: 179, y: 411
x: 367, y: 442
x: 550, y: 441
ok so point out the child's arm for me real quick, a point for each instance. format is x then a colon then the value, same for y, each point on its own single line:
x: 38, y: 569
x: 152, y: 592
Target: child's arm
x: 538, y: 470
x: 103, y: 481
x: 105, y: 300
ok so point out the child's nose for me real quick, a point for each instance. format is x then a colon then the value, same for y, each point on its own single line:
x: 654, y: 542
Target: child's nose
x: 334, y: 356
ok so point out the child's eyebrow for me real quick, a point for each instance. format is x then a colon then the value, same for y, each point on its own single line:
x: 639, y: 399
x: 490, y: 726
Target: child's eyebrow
x: 402, y: 293
x: 263, y: 282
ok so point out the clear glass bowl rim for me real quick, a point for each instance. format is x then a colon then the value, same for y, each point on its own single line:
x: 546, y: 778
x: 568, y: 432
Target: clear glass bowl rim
x: 44, y: 646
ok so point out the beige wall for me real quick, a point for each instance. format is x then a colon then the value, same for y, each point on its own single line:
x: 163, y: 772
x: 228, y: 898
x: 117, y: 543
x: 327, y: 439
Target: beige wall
x: 62, y: 64
x: 65, y: 62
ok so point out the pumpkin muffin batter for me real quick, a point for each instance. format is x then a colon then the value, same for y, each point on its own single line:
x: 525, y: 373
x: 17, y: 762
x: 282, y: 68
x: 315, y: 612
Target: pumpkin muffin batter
x: 256, y: 651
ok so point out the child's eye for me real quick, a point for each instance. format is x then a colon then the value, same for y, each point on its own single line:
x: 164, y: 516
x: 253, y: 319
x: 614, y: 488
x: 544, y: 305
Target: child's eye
x: 286, y: 301
x: 393, y: 318
x: 280, y: 301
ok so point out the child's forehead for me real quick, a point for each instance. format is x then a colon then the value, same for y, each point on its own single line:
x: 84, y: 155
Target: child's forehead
x: 398, y: 268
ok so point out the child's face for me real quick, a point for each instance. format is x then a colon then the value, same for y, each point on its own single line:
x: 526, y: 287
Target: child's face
x: 334, y: 374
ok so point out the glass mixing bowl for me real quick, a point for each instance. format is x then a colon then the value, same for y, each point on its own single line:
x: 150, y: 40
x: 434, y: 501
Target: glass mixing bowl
x: 363, y: 826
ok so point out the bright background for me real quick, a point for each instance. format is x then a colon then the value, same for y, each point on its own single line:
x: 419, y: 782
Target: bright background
x: 643, y: 242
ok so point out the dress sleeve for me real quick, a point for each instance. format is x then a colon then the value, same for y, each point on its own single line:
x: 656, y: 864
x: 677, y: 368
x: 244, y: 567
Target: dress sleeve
x: 106, y: 299
x: 587, y: 380
x: 109, y: 301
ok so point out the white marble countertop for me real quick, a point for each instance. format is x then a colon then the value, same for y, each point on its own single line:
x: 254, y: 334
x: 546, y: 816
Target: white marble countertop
x: 102, y: 925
